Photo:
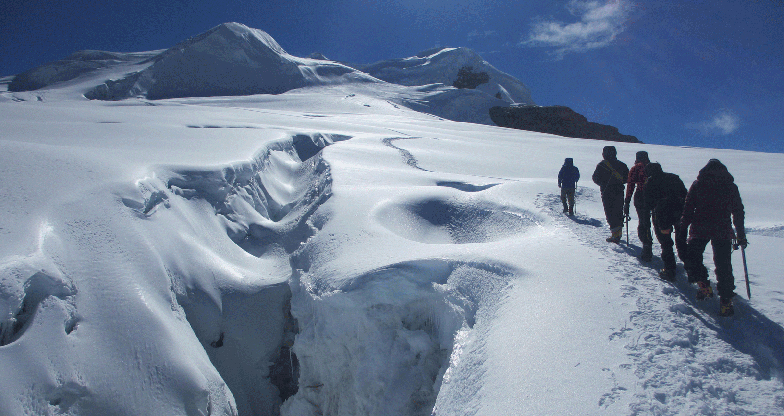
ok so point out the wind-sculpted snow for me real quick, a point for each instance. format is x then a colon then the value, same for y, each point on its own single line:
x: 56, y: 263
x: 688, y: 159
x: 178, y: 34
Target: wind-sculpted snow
x: 381, y: 342
x: 263, y: 206
x: 465, y: 187
x: 20, y: 302
x: 189, y: 298
x: 453, y: 220
x: 312, y: 338
x: 265, y: 202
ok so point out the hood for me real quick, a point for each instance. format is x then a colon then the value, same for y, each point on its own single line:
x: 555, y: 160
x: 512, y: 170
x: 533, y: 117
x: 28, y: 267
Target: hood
x: 609, y: 152
x: 653, y: 169
x: 642, y: 157
x: 568, y: 161
x: 715, y: 172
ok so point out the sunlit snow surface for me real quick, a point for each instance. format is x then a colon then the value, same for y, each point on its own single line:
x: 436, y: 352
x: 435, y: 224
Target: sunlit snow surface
x: 331, y: 247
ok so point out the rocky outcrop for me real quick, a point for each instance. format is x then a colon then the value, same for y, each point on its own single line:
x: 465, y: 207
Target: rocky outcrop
x: 559, y: 120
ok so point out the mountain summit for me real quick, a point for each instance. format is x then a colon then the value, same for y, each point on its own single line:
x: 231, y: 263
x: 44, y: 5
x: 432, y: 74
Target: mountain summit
x: 229, y: 59
x: 442, y: 65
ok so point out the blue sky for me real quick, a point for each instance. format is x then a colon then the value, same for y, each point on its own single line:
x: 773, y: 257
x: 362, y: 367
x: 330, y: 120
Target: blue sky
x: 683, y: 73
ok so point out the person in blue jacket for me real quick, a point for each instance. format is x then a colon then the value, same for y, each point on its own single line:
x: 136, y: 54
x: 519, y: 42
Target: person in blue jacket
x: 567, y: 181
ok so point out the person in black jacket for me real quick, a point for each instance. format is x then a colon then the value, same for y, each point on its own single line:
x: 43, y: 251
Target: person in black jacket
x: 664, y: 194
x: 611, y: 174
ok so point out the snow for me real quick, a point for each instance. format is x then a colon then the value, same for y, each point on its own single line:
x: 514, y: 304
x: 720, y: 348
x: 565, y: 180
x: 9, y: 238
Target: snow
x: 328, y: 250
x: 441, y: 65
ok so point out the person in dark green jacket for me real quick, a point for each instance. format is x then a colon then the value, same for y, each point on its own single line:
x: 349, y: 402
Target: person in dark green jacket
x: 611, y: 174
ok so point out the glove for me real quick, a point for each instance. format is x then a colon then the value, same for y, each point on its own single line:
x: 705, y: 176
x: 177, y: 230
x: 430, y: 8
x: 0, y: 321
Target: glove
x: 742, y: 240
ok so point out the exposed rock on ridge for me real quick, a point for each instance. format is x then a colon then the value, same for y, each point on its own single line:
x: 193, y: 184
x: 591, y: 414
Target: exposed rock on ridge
x: 559, y: 120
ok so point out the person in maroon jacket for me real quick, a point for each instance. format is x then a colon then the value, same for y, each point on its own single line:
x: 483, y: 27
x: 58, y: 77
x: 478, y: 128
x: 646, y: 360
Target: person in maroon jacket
x: 636, y: 182
x: 712, y: 205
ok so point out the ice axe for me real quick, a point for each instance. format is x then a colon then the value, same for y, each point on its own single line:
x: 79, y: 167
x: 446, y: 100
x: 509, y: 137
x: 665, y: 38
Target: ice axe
x: 745, y: 268
x: 627, y: 229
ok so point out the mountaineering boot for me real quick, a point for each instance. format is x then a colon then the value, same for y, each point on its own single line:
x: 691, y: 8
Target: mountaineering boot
x: 647, y: 253
x: 667, y: 274
x: 725, y: 307
x: 571, y: 210
x: 617, y: 233
x: 704, y: 291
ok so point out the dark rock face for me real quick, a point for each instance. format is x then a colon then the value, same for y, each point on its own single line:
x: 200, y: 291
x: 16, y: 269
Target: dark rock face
x: 559, y: 120
x: 467, y: 78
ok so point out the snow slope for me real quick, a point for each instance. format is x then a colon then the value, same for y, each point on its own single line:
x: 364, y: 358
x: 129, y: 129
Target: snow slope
x: 329, y: 251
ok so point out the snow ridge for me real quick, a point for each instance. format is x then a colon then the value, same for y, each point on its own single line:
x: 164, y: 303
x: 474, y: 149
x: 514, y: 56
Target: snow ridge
x: 76, y: 65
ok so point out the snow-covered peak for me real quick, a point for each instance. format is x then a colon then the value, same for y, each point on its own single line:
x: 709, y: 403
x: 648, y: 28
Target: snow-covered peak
x: 319, y: 56
x: 229, y: 59
x: 232, y: 42
x: 441, y: 66
x: 431, y: 53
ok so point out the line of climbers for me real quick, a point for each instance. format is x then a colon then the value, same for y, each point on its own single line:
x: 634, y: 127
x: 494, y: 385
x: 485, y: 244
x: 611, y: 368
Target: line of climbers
x: 705, y: 213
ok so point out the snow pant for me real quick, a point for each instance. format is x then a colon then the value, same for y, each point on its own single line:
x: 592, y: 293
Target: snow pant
x: 667, y: 255
x: 663, y: 225
x: 612, y: 199
x: 722, y: 259
x: 567, y: 196
x: 644, y: 225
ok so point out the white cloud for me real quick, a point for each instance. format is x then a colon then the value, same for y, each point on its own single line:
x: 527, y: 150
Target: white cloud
x: 600, y: 22
x: 723, y: 123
